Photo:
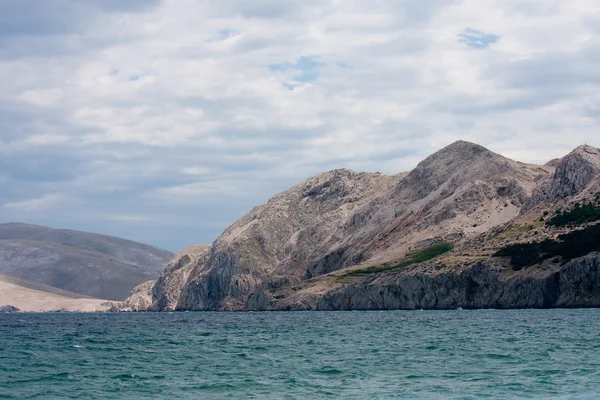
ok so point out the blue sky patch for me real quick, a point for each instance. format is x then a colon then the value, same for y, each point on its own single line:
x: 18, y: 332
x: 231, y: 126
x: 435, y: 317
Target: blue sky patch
x: 477, y: 39
x: 306, y: 69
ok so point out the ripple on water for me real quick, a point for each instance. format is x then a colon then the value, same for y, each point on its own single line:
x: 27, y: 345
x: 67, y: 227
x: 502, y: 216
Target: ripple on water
x: 328, y: 371
x: 357, y: 355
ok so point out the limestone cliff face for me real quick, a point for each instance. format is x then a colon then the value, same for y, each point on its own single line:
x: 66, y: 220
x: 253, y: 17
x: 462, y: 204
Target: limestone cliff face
x: 463, y: 189
x: 140, y: 298
x: 290, y: 252
x: 573, y: 174
x: 163, y: 294
x: 482, y: 285
x: 167, y: 290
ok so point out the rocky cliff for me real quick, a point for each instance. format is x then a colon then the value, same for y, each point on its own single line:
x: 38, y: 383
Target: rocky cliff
x: 166, y: 293
x: 483, y: 284
x: 345, y: 240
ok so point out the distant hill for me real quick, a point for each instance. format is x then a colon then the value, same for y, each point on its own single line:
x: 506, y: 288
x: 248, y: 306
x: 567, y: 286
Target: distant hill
x: 94, y: 265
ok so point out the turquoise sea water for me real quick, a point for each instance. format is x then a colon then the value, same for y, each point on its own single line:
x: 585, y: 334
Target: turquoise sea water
x: 349, y: 355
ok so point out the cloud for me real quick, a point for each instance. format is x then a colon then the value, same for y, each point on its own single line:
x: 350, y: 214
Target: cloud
x: 129, y: 218
x: 189, y: 113
x: 60, y: 27
x: 37, y: 204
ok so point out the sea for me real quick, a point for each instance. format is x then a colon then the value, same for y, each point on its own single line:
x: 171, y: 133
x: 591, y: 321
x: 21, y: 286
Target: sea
x: 459, y: 354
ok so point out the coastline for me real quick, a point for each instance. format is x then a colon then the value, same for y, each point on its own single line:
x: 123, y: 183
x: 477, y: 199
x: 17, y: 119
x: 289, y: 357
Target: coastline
x: 31, y: 300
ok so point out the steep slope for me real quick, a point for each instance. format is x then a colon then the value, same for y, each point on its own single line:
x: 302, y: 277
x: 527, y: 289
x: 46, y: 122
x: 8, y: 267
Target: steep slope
x: 344, y: 240
x: 473, y: 277
x: 295, y: 234
x: 164, y: 293
x: 140, y: 298
x: 93, y: 265
x: 575, y: 173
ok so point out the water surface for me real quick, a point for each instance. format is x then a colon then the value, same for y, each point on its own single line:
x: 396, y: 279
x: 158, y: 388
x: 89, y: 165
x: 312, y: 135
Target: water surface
x: 350, y: 355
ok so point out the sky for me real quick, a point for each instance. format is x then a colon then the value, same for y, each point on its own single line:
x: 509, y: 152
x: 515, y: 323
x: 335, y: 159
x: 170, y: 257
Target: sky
x: 165, y: 121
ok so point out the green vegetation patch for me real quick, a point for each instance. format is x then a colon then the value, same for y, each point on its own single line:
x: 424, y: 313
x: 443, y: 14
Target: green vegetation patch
x: 568, y: 246
x: 521, y: 229
x: 580, y: 214
x: 345, y: 278
x: 427, y: 254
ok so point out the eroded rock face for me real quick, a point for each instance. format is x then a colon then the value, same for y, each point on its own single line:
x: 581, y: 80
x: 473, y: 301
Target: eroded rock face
x: 167, y: 290
x: 483, y: 285
x: 140, y: 298
x: 573, y: 173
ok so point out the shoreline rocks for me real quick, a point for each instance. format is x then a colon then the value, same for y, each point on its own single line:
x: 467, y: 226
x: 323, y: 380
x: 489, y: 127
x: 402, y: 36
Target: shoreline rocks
x: 8, y: 309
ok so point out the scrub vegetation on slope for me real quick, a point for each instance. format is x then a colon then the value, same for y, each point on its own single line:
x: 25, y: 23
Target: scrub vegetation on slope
x: 427, y: 254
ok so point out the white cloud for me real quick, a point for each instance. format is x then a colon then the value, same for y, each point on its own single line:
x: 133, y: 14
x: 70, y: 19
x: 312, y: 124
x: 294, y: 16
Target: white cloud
x: 129, y: 218
x: 46, y: 139
x: 34, y: 205
x: 209, y: 100
x: 200, y: 192
x: 196, y: 171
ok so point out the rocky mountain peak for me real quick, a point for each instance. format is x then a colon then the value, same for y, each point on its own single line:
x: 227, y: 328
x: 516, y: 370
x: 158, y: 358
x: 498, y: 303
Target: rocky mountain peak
x: 462, y: 148
x: 457, y: 164
x: 587, y: 149
x: 573, y: 173
x: 457, y: 154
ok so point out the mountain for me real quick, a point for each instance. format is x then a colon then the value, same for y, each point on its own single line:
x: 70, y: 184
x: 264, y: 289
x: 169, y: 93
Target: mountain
x: 86, y: 263
x: 466, y: 228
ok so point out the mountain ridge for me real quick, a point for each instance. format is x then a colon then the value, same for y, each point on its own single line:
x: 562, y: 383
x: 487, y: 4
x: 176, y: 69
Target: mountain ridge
x: 296, y: 249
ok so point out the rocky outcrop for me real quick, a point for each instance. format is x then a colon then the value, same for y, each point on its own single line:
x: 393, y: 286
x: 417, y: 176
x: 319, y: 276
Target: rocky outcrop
x: 164, y: 293
x: 8, y: 308
x: 167, y: 290
x: 295, y: 250
x: 572, y: 175
x: 482, y: 285
x: 140, y: 298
